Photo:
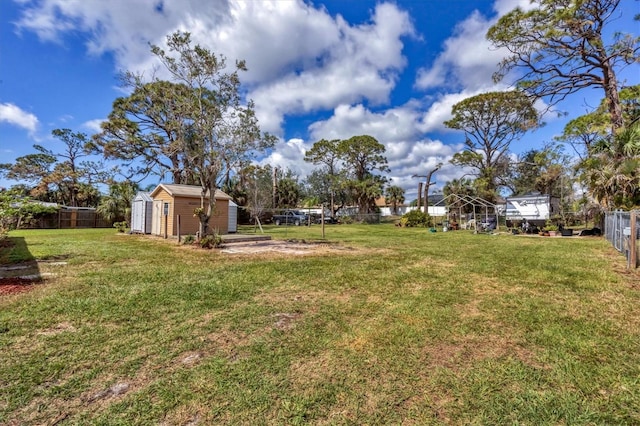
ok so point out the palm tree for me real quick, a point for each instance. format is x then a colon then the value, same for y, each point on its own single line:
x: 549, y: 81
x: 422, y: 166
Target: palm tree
x: 395, y: 196
x: 612, y: 172
x: 116, y: 206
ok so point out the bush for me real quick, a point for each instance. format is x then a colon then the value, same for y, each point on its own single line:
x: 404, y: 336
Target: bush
x: 210, y: 241
x: 188, y: 239
x: 120, y: 226
x: 347, y: 220
x: 415, y: 218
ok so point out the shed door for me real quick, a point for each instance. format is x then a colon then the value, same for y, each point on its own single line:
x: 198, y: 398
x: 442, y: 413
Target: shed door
x: 156, y: 228
x: 233, y: 217
x: 136, y: 216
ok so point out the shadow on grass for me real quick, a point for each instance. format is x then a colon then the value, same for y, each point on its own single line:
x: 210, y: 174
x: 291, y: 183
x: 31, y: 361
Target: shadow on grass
x: 18, y: 267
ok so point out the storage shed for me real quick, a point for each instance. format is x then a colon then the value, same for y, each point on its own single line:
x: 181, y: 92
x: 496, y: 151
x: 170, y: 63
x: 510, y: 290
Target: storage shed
x: 141, y: 213
x: 233, y: 217
x: 174, y: 205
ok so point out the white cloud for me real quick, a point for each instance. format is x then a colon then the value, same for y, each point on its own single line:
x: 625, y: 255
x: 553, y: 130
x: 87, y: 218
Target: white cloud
x: 300, y: 58
x: 289, y: 155
x: 502, y: 7
x: 94, y: 125
x: 468, y: 61
x: 393, y: 125
x: 14, y: 115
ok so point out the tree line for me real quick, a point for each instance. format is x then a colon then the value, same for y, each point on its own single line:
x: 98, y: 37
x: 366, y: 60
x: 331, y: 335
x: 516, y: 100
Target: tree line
x: 194, y: 128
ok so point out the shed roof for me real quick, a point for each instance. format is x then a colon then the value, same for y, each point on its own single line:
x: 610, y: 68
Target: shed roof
x: 187, y: 191
x: 144, y: 196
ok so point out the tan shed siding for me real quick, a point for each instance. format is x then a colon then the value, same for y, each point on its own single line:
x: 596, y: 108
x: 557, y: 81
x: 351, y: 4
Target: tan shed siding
x: 163, y: 196
x: 188, y: 223
x: 184, y: 206
x: 220, y: 218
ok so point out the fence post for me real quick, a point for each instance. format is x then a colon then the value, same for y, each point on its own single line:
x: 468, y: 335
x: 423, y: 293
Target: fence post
x: 633, y: 251
x: 178, y: 219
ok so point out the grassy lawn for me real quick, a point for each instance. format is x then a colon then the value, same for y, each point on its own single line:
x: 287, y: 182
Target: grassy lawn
x: 386, y: 326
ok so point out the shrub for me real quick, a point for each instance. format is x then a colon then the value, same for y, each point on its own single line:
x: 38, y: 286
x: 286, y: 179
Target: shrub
x: 415, y: 218
x: 210, y: 241
x: 120, y: 226
x: 188, y: 239
x: 347, y: 220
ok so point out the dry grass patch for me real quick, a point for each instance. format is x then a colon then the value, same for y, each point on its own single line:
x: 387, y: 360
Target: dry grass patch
x: 463, y: 352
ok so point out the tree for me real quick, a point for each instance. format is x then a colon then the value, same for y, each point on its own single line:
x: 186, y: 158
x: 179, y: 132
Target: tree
x: 198, y: 121
x: 561, y: 46
x: 17, y: 209
x: 491, y: 122
x: 259, y: 185
x: 220, y: 130
x: 288, y: 189
x: 326, y: 188
x: 349, y: 167
x: 61, y: 177
x: 327, y: 153
x: 543, y: 170
x: 462, y: 187
x: 362, y: 156
x: 145, y: 129
x: 116, y: 206
x: 395, y: 196
x: 612, y: 172
x: 583, y: 132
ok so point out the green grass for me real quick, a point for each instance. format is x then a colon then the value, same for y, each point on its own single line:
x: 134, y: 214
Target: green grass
x: 384, y: 326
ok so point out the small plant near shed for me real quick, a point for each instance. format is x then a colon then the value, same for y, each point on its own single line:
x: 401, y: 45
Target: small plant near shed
x: 188, y: 239
x: 120, y: 226
x: 210, y: 241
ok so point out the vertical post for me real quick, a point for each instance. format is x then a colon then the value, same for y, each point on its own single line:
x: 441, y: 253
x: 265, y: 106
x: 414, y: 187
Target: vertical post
x: 633, y: 248
x: 322, y: 221
x: 178, y: 226
x: 275, y: 186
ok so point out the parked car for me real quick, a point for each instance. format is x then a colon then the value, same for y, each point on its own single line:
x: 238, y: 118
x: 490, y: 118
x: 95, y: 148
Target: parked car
x: 290, y: 217
x: 328, y: 220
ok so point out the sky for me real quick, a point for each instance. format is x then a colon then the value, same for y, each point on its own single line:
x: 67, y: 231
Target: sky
x: 317, y: 69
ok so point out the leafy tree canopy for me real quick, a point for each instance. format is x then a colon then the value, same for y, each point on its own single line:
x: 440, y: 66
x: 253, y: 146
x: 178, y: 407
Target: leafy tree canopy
x: 491, y: 122
x: 561, y: 47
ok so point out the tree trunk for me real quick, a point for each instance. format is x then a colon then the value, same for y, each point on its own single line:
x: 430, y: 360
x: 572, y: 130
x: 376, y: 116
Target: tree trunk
x: 613, y: 97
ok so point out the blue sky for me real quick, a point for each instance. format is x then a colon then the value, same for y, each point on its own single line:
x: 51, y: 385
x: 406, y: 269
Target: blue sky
x: 317, y: 69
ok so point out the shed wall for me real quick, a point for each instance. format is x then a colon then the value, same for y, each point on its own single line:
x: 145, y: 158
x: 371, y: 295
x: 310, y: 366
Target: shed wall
x: 184, y: 207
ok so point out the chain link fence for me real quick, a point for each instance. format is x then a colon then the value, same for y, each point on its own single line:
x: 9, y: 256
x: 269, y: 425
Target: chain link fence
x: 622, y: 230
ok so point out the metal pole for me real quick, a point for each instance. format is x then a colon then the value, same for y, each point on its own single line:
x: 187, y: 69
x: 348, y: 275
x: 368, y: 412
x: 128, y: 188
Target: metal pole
x: 633, y: 250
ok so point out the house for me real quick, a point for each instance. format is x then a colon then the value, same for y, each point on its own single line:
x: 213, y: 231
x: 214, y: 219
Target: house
x: 386, y: 209
x: 534, y: 207
x: 141, y: 213
x: 173, y: 210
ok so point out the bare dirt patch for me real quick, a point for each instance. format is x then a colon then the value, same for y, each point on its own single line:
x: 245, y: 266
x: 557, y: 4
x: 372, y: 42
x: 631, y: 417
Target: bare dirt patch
x: 15, y: 285
x: 294, y: 247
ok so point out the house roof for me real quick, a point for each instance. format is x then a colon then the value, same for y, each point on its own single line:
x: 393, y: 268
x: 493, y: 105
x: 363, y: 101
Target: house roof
x: 381, y: 202
x: 186, y: 191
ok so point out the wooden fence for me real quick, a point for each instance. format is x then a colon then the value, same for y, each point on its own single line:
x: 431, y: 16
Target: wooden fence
x: 69, y: 219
